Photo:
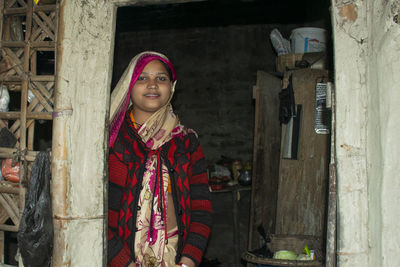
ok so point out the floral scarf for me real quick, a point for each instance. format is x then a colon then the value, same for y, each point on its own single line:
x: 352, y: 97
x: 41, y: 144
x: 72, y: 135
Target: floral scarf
x: 151, y: 248
x: 151, y: 235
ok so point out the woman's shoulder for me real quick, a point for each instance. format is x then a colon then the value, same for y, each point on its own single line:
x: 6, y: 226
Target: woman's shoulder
x: 183, y: 132
x: 185, y: 136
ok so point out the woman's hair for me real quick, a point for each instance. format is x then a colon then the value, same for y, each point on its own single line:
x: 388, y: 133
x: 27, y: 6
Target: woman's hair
x: 167, y: 68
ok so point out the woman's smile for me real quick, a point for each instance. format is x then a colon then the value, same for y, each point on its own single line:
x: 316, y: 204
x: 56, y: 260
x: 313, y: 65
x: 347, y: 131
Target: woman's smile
x: 152, y: 95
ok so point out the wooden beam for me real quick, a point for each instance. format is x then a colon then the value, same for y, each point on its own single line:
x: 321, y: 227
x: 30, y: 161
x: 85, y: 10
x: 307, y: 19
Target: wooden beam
x: 15, y: 11
x: 24, y: 101
x: 44, y: 45
x: 44, y: 8
x: 13, y: 44
x: 10, y: 153
x: 9, y: 209
x: 43, y: 78
x: 11, y: 203
x: 31, y: 135
x: 12, y: 79
x: 1, y: 19
x: 9, y: 228
x: 9, y: 190
x: 331, y: 242
x: 14, y: 128
x: 33, y: 58
x: 13, y: 115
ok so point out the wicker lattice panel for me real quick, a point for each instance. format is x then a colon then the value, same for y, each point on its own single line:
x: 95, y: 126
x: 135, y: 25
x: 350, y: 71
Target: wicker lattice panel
x: 43, y: 26
x: 13, y: 62
x: 27, y: 30
x: 15, y: 3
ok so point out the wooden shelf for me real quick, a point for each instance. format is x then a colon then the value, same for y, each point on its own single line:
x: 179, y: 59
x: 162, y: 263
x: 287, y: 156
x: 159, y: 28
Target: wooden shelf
x: 236, y: 188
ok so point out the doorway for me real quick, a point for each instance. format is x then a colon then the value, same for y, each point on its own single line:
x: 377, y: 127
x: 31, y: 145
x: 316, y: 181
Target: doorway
x: 217, y: 47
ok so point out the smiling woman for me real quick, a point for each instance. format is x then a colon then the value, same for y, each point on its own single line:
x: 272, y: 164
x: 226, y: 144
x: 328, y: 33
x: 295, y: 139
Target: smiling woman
x: 151, y: 91
x: 159, y: 202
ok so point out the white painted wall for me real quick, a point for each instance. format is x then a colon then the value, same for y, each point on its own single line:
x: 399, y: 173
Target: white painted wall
x: 384, y: 129
x: 84, y: 62
x: 367, y: 68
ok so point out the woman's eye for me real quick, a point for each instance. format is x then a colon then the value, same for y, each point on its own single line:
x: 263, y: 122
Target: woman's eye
x: 141, y: 78
x: 161, y: 78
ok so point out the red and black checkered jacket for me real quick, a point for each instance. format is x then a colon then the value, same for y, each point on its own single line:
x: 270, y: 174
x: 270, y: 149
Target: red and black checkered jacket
x: 185, y: 161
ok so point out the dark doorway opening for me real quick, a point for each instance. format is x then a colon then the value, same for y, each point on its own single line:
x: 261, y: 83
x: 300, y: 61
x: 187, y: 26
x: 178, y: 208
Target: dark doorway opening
x: 217, y: 47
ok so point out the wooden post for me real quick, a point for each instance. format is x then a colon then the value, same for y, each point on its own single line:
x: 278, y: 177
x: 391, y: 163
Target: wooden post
x: 256, y: 97
x: 1, y: 23
x: 24, y: 100
x: 236, y: 228
x: 332, y: 200
x: 31, y: 134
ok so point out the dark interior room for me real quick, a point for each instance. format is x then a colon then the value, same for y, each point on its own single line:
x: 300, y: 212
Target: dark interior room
x: 217, y: 48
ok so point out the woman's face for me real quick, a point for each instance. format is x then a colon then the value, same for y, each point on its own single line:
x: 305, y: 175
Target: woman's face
x: 152, y: 89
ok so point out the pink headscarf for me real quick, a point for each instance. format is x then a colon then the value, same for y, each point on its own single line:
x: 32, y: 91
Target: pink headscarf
x: 140, y: 61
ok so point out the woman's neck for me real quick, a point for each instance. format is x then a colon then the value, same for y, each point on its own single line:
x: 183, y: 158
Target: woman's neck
x: 140, y: 116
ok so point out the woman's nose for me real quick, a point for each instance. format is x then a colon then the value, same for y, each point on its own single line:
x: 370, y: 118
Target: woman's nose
x: 152, y: 83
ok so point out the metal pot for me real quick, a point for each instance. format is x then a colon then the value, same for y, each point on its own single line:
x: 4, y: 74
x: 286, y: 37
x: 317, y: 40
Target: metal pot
x: 245, y: 177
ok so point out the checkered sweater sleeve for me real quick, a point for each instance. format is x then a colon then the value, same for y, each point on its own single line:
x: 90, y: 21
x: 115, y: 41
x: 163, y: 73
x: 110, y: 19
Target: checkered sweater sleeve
x: 201, y: 211
x: 119, y: 254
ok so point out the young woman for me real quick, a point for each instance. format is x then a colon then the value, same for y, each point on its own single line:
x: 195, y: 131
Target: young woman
x: 159, y: 210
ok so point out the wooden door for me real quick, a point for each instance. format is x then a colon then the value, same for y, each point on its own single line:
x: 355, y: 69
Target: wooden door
x: 266, y: 151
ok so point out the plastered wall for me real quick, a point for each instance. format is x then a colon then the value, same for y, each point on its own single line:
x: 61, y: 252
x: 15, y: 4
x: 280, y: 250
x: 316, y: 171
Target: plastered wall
x: 367, y: 63
x: 383, y: 132
x: 79, y: 147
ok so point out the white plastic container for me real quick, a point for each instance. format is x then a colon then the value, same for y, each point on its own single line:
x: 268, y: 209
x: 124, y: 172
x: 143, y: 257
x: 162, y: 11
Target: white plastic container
x: 280, y: 44
x: 308, y: 39
x: 4, y: 98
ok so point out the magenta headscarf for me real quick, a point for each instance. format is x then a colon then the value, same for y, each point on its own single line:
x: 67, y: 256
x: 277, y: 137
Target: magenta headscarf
x: 142, y: 60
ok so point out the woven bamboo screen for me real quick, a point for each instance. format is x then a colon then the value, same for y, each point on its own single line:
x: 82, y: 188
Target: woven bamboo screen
x: 27, y: 31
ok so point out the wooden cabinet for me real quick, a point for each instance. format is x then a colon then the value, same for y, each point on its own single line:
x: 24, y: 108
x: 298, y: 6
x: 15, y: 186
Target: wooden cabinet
x: 302, y: 185
x: 289, y: 196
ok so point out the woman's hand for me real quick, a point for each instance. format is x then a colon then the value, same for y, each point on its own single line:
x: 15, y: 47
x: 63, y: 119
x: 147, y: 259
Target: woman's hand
x: 188, y: 262
x: 132, y: 265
